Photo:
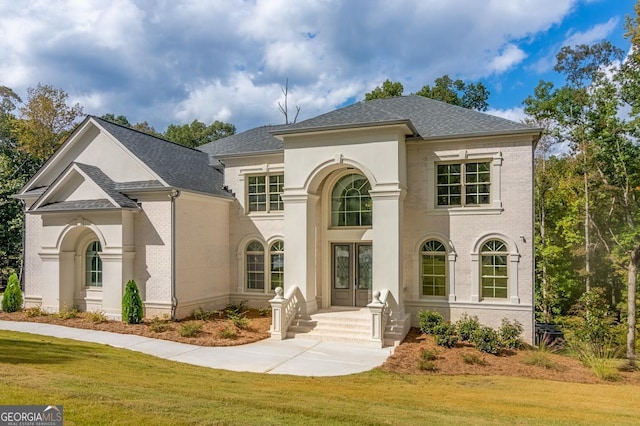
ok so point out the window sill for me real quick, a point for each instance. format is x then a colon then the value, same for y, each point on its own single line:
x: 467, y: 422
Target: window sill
x: 460, y: 211
x: 279, y: 214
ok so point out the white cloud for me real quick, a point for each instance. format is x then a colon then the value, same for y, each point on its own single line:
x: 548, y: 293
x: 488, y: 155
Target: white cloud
x: 184, y: 59
x: 594, y: 34
x: 509, y: 57
x: 513, y: 114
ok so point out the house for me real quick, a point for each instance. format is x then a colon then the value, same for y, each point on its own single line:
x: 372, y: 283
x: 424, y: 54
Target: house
x: 394, y: 205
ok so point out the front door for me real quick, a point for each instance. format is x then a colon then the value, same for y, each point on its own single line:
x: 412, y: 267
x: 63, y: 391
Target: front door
x: 351, y: 274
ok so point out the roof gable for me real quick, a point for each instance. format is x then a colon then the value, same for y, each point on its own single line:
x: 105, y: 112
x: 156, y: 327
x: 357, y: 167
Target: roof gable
x: 82, y: 187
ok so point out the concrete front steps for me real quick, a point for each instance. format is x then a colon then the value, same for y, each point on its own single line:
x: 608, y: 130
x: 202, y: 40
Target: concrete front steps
x: 337, y: 324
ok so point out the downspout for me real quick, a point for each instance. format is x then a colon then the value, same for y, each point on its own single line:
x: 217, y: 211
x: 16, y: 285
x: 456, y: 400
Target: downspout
x: 174, y: 299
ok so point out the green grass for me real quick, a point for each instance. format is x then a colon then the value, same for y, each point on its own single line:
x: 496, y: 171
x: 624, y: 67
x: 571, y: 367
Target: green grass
x: 101, y: 385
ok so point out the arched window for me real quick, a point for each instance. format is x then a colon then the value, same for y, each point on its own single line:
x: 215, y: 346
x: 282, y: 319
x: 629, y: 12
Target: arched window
x: 93, y: 265
x: 350, y: 202
x: 493, y: 270
x: 255, y: 266
x: 433, y: 269
x: 276, y: 255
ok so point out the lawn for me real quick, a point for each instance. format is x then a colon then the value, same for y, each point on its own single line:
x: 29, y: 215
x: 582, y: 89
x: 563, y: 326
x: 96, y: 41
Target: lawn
x: 99, y: 385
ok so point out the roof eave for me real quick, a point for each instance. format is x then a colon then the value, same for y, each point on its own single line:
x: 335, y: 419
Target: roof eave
x: 340, y: 127
x: 537, y: 132
x: 247, y: 154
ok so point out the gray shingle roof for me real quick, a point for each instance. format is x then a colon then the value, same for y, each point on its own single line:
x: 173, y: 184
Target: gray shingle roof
x: 179, y: 166
x: 254, y: 141
x: 431, y: 119
x: 100, y: 204
x: 107, y: 185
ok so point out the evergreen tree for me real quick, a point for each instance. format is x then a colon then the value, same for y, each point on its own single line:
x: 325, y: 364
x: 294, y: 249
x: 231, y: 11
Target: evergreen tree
x: 132, y: 309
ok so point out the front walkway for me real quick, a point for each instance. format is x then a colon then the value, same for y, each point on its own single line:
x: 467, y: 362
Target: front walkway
x: 299, y: 357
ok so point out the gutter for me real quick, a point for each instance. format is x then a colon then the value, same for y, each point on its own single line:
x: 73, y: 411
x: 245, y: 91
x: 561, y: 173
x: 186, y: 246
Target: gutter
x: 174, y: 299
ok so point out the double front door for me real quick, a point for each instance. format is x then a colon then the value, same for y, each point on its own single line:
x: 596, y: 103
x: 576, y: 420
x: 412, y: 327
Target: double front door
x: 352, y: 273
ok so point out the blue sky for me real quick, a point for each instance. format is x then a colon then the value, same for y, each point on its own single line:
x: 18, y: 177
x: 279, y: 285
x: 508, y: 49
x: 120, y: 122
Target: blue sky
x: 173, y: 61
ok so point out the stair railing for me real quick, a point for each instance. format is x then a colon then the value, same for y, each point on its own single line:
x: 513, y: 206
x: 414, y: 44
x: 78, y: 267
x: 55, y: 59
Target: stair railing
x: 284, y: 310
x: 379, y: 309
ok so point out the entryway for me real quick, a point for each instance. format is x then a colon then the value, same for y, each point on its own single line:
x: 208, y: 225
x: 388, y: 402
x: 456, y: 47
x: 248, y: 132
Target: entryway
x: 351, y: 282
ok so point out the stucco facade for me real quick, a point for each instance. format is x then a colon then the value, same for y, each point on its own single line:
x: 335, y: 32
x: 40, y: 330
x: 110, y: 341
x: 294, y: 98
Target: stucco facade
x: 399, y: 205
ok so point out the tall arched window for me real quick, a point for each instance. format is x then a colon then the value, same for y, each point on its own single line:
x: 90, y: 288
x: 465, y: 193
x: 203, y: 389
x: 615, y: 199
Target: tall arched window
x: 493, y: 270
x: 255, y: 266
x: 276, y: 255
x: 433, y: 269
x: 351, y: 203
x: 93, y: 265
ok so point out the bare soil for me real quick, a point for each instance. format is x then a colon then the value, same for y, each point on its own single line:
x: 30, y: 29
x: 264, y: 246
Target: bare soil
x: 405, y: 360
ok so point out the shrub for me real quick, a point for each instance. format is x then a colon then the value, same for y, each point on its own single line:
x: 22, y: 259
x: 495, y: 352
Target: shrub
x: 509, y: 334
x: 445, y: 335
x: 237, y: 309
x: 541, y: 359
x: 98, y: 317
x: 159, y: 325
x: 428, y: 355
x: 426, y: 365
x: 473, y: 359
x: 203, y: 314
x: 227, y: 333
x: 239, y: 320
x: 599, y: 358
x: 35, y: 311
x: 190, y: 329
x: 429, y: 320
x: 266, y: 311
x: 466, y: 326
x: 12, y: 298
x: 132, y: 309
x: 486, y: 340
x: 68, y: 313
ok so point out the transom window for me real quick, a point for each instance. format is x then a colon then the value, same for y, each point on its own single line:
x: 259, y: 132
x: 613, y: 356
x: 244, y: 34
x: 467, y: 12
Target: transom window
x: 433, y: 270
x: 258, y: 269
x: 93, y: 265
x: 264, y: 193
x: 463, y: 184
x: 351, y: 203
x: 493, y: 269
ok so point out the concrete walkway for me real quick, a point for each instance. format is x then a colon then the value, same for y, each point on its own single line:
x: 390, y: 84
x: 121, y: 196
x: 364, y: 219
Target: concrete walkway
x: 298, y: 357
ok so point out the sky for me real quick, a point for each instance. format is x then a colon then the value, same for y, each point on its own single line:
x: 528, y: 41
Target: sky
x: 174, y: 61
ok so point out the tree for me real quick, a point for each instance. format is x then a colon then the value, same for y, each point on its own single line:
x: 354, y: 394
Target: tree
x: 388, y: 89
x: 121, y: 119
x: 284, y: 109
x: 132, y: 308
x: 45, y: 120
x: 472, y: 95
x: 12, y: 297
x: 197, y: 133
x: 145, y: 127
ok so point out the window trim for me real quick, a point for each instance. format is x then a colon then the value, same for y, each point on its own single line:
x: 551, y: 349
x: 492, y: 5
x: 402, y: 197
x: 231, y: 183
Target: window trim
x: 432, y: 254
x: 88, y: 269
x: 451, y: 257
x: 513, y: 258
x: 465, y: 156
x: 334, y: 185
x: 267, y: 193
x: 266, y: 253
x: 488, y: 253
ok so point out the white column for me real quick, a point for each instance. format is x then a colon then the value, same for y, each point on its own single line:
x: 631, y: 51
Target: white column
x: 112, y: 284
x: 300, y: 245
x: 387, y: 242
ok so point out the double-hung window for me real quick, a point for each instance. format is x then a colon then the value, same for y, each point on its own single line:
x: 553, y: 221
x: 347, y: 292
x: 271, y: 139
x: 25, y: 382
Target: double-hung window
x: 463, y: 184
x: 264, y: 193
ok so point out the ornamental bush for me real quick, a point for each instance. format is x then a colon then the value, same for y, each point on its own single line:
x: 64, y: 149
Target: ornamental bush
x: 445, y: 335
x: 429, y: 320
x: 12, y: 299
x: 509, y: 334
x: 132, y: 309
x: 466, y: 326
x: 486, y: 340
